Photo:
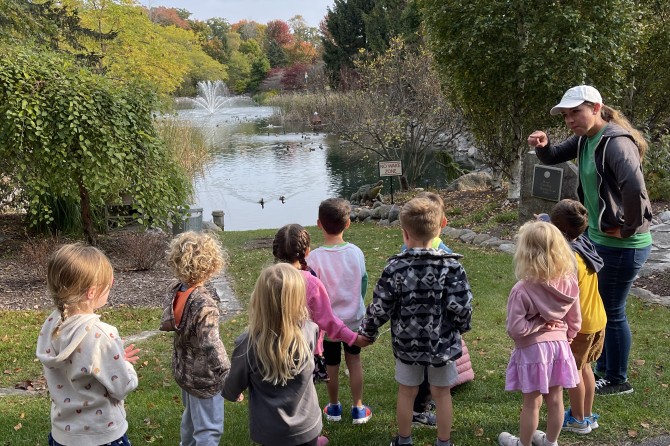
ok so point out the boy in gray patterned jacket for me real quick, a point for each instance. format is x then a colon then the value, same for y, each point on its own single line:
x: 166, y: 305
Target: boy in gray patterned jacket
x: 426, y: 295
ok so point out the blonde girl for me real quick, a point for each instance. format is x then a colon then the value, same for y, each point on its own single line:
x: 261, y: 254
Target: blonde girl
x: 199, y: 361
x: 273, y: 359
x: 88, y: 371
x: 543, y: 315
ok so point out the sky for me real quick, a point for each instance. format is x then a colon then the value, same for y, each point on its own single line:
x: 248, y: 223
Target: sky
x: 261, y: 11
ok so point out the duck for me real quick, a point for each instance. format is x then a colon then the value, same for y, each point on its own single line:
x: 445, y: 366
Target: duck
x: 262, y: 203
x: 282, y: 199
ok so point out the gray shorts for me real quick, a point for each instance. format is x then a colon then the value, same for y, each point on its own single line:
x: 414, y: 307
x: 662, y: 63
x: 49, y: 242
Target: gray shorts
x: 413, y: 375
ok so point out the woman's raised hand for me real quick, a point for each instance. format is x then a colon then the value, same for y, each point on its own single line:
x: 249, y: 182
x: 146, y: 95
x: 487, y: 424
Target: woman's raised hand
x: 538, y: 139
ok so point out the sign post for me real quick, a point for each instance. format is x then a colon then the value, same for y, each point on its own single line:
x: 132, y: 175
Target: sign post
x: 390, y: 169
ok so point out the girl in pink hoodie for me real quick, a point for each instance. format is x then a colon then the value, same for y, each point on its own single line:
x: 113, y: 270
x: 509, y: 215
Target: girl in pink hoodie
x: 543, y: 317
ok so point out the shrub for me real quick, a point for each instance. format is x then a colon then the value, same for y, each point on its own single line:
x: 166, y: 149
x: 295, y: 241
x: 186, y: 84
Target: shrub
x: 657, y: 169
x: 144, y: 250
x: 37, y: 252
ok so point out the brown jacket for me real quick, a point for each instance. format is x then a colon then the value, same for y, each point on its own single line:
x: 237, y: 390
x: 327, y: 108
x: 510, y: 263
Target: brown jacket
x: 200, y: 364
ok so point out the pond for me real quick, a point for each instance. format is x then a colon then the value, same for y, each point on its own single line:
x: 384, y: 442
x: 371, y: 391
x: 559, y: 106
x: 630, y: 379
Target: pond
x: 264, y: 176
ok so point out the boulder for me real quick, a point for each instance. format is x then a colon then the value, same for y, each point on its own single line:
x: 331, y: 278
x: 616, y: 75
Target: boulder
x: 472, y: 181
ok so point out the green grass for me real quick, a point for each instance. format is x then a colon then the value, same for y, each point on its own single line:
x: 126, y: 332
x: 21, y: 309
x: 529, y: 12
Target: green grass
x: 482, y: 408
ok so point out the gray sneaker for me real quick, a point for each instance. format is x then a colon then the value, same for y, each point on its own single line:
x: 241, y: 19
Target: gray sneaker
x: 426, y: 418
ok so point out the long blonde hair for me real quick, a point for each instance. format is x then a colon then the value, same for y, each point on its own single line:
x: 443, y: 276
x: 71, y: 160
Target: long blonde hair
x: 542, y: 253
x: 71, y: 272
x: 610, y: 114
x: 277, y: 310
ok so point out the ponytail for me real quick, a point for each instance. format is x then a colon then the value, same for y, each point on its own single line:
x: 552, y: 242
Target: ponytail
x: 610, y: 114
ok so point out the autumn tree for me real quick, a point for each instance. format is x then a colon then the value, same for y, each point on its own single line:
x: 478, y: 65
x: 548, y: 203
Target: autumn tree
x: 505, y: 64
x: 399, y: 112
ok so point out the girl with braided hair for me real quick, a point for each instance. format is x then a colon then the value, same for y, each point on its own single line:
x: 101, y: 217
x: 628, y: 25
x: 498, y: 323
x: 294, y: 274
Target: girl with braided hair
x: 88, y: 370
x: 292, y: 245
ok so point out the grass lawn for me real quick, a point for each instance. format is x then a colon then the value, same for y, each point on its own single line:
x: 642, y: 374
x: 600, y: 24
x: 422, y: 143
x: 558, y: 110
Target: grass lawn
x: 482, y: 409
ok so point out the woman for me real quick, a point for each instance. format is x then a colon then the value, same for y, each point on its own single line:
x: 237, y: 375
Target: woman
x: 611, y: 187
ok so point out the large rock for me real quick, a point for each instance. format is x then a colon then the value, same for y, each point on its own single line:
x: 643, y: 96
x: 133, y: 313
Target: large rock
x: 529, y: 204
x: 472, y: 181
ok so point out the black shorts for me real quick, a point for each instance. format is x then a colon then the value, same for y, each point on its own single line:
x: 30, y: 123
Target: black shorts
x: 332, y: 351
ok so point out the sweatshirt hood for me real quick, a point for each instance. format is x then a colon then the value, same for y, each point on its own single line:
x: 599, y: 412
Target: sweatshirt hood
x: 588, y: 252
x: 54, y: 350
x: 553, y: 299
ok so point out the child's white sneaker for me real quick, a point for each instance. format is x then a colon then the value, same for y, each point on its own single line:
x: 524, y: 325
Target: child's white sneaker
x: 540, y: 439
x: 507, y: 439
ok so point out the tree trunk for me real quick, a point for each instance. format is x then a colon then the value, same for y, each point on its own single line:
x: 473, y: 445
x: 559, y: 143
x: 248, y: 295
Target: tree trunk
x: 86, y: 220
x: 404, y: 184
x: 514, y: 191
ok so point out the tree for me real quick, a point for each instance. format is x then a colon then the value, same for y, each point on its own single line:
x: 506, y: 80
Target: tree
x: 399, y: 112
x: 344, y: 35
x: 370, y: 25
x: 506, y: 63
x: 162, y: 55
x: 68, y: 133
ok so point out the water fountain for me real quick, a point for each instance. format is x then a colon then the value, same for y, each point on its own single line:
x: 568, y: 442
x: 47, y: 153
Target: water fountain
x: 214, y: 95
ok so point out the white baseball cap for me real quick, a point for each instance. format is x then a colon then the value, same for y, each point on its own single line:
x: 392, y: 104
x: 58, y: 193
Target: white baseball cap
x: 576, y: 96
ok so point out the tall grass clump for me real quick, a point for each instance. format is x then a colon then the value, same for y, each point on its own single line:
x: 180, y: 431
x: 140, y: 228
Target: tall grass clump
x: 187, y: 144
x: 298, y: 107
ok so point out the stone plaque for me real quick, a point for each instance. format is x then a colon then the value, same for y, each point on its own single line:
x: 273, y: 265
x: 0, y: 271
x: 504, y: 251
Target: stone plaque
x: 547, y: 182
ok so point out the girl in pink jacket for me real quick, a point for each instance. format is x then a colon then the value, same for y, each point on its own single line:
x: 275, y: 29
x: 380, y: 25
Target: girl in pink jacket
x: 543, y: 316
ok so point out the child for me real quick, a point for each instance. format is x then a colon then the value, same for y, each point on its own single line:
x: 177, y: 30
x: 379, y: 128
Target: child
x: 87, y: 369
x: 427, y: 296
x: 571, y: 218
x: 341, y: 268
x: 437, y: 241
x: 542, y: 315
x: 291, y: 245
x: 199, y: 362
x: 273, y: 358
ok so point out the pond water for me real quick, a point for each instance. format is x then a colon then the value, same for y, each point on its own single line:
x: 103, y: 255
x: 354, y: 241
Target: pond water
x: 265, y: 176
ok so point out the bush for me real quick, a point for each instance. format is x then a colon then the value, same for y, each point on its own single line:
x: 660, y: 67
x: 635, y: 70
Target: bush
x: 143, y: 249
x: 38, y: 251
x: 657, y: 169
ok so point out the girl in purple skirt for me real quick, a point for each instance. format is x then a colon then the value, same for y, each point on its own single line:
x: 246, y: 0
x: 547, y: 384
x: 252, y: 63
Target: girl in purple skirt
x: 543, y: 317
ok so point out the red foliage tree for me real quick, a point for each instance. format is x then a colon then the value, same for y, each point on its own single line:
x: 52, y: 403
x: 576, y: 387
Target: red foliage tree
x: 168, y: 16
x: 280, y: 32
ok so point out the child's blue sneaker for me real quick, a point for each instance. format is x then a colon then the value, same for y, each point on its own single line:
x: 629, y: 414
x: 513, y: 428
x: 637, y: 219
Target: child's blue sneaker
x: 593, y: 419
x: 333, y: 411
x: 360, y: 415
x: 571, y: 424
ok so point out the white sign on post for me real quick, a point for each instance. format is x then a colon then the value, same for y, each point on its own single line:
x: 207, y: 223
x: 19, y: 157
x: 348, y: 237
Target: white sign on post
x: 390, y: 168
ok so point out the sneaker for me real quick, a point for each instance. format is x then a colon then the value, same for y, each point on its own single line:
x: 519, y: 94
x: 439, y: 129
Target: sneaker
x: 333, y: 411
x: 571, y: 424
x: 322, y: 441
x: 593, y: 419
x: 507, y: 439
x: 426, y: 418
x: 540, y: 439
x: 605, y: 387
x: 397, y: 439
x: 360, y: 415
